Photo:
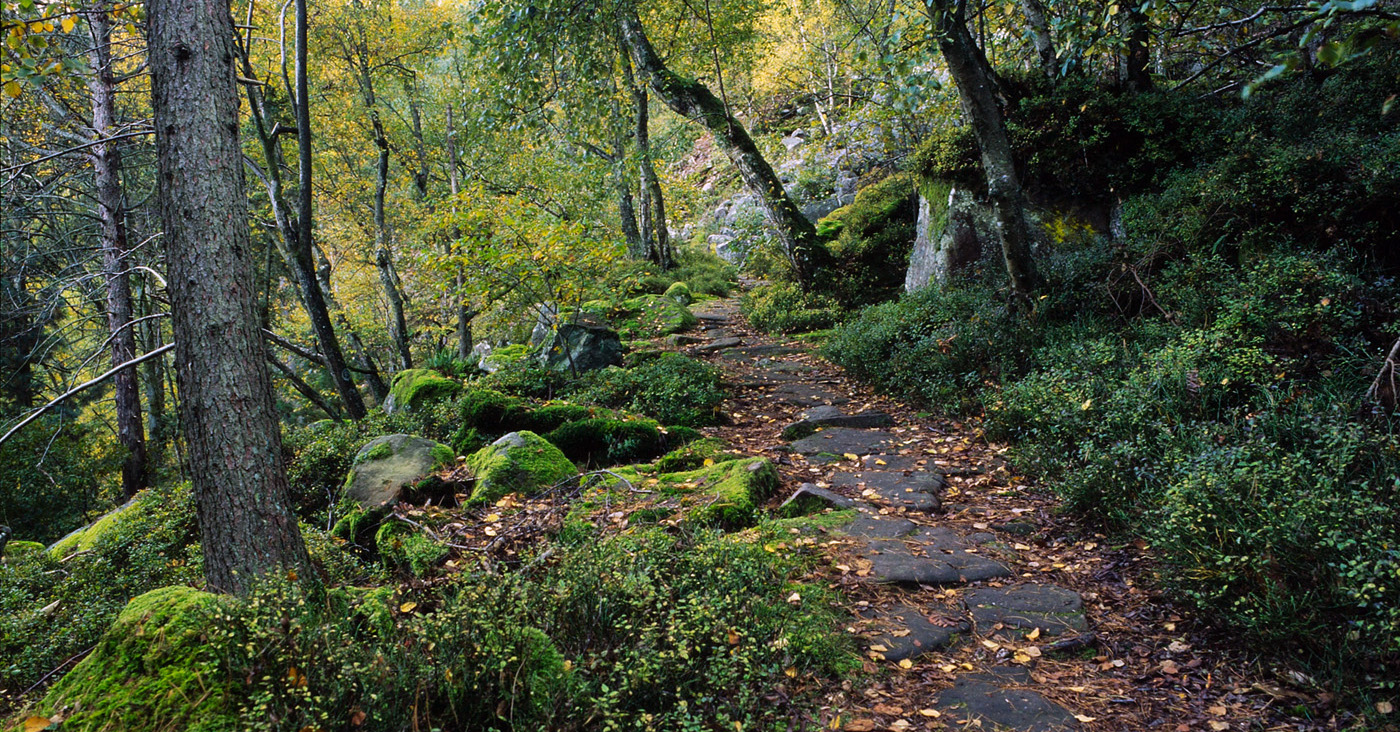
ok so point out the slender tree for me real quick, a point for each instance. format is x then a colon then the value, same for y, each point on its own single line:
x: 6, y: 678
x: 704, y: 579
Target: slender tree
x: 246, y: 524
x: 978, y: 98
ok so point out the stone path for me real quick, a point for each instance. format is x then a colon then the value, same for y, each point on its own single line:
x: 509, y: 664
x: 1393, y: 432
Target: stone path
x: 898, y: 543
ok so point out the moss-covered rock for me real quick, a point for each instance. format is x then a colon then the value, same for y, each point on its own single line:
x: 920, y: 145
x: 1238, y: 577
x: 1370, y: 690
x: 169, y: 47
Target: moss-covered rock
x: 693, y: 454
x: 388, y: 468
x: 520, y: 462
x: 604, y: 441
x: 680, y: 292
x: 18, y: 549
x: 414, y: 389
x: 403, y: 545
x: 726, y: 494
x: 88, y: 537
x: 877, y: 228
x: 153, y: 671
x: 650, y: 316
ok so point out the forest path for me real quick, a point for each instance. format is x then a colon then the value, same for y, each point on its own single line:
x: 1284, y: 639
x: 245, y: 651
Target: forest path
x: 976, y: 605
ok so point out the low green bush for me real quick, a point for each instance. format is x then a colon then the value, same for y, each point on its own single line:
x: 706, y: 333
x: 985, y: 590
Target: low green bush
x: 602, y: 442
x: 782, y: 307
x: 672, y: 388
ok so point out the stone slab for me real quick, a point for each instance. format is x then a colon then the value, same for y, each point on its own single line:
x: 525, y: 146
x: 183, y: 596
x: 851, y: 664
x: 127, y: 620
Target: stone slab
x: 894, y: 562
x: 807, y: 395
x: 894, y: 463
x: 1000, y: 708
x: 915, y: 492
x: 719, y: 344
x: 907, y: 631
x: 866, y: 526
x: 1053, y: 610
x: 766, y: 350
x: 841, y: 440
x: 807, y: 493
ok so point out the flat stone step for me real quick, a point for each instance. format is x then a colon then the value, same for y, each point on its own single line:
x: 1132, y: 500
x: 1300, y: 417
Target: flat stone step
x: 909, y: 632
x: 892, y: 561
x: 807, y: 395
x: 894, y: 463
x: 992, y: 706
x: 787, y: 367
x: 831, y: 416
x: 867, y: 526
x: 842, y: 440
x: 718, y: 345
x: 1050, y: 609
x: 681, y: 339
x: 711, y: 316
x: 915, y: 492
x: 767, y: 350
x: 808, y: 498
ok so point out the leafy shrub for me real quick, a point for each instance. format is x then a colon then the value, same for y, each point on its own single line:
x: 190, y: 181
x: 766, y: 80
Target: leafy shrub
x: 673, y: 389
x: 865, y: 238
x: 783, y: 308
x: 601, y: 442
x: 53, y: 477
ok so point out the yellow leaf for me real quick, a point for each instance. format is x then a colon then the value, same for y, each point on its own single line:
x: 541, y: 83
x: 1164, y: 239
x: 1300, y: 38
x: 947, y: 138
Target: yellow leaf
x: 492, y: 518
x: 1087, y: 403
x: 1385, y: 707
x: 68, y: 24
x: 930, y: 713
x: 407, y: 607
x: 906, y: 663
x: 851, y: 456
x: 1033, y: 634
x: 1085, y: 718
x: 34, y: 724
x: 709, y: 462
x: 12, y: 89
x: 790, y: 672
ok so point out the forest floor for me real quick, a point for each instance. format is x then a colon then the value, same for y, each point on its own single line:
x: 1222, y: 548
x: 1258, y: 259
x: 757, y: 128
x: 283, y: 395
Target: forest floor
x: 977, y: 604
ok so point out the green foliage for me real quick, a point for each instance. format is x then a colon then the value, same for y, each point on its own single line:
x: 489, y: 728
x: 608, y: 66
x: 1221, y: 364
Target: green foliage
x: 51, y: 479
x: 784, y: 308
x: 680, y: 292
x: 673, y: 389
x: 696, y: 267
x: 692, y: 455
x: 865, y: 238
x: 405, y: 546
x: 650, y: 316
x: 51, y: 611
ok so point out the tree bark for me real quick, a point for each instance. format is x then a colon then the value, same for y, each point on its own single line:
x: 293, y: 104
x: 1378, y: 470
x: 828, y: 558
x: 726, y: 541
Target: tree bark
x: 653, y: 230
x: 695, y: 101
x: 1044, y: 43
x: 246, y: 524
x: 383, y: 259
x: 106, y: 166
x: 463, y: 314
x: 977, y: 97
x: 1137, y: 34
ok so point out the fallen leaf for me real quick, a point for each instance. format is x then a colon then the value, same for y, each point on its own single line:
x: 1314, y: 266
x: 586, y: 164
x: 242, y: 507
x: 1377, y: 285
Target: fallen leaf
x: 1033, y: 634
x: 1219, y: 726
x: 930, y: 713
x: 491, y: 518
x: 733, y: 638
x: 879, y: 649
x: 1385, y: 707
x: 850, y: 456
x: 859, y: 725
x: 34, y: 724
x: 1218, y: 710
x: 1085, y: 718
x: 888, y: 709
x: 906, y: 663
x: 407, y: 607
x: 794, y: 598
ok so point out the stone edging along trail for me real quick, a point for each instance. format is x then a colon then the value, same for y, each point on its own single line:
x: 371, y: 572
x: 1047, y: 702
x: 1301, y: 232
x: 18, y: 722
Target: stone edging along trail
x: 976, y: 605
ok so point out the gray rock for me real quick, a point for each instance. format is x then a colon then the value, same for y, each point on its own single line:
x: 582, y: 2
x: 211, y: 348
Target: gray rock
x: 912, y: 634
x: 830, y: 416
x: 895, y: 562
x: 580, y: 347
x: 718, y: 345
x: 893, y: 463
x: 387, y: 468
x: 841, y: 440
x: 915, y: 492
x: 680, y: 339
x: 948, y: 237
x: 766, y: 350
x: 1053, y: 610
x: 808, y: 498
x: 1004, y: 708
x: 866, y: 526
x: 807, y: 395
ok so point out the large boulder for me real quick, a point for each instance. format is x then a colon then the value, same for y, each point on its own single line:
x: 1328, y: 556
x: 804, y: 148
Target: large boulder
x: 950, y: 235
x: 154, y: 669
x: 88, y: 537
x: 388, y: 468
x: 649, y: 316
x: 519, y: 462
x: 582, y: 347
x: 414, y: 389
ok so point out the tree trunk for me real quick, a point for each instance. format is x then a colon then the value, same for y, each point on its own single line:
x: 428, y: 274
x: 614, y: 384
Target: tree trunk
x: 1137, y: 34
x: 694, y: 100
x: 1034, y: 11
x: 246, y: 524
x: 106, y: 166
x: 296, y: 232
x: 388, y: 278
x: 976, y: 95
x: 463, y: 315
x: 654, y: 234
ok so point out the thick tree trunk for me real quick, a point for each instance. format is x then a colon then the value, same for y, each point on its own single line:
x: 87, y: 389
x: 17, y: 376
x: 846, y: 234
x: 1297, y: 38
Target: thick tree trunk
x: 976, y: 95
x: 694, y: 100
x: 246, y: 524
x: 106, y: 165
x: 1137, y: 34
x: 1036, y: 18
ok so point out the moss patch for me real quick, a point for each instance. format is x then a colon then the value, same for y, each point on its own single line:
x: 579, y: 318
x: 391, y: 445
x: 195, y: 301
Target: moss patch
x: 603, y: 441
x: 650, y: 316
x: 88, y: 537
x: 402, y: 545
x: 680, y: 292
x: 415, y: 388
x: 521, y: 462
x: 153, y: 671
x: 17, y: 549
x: 693, y: 455
x: 726, y: 494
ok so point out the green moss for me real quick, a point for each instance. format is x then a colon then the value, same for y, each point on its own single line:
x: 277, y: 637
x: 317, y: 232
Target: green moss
x: 492, y: 412
x: 550, y: 417
x: 442, y: 456
x: 693, y: 455
x: 603, y: 441
x: 355, y: 522
x: 650, y: 316
x: 522, y: 462
x: 153, y: 671
x: 814, y: 523
x: 680, y: 292
x: 726, y: 494
x: 17, y: 549
x: 403, y: 545
x: 864, y: 237
x: 415, y: 388
x: 378, y: 452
